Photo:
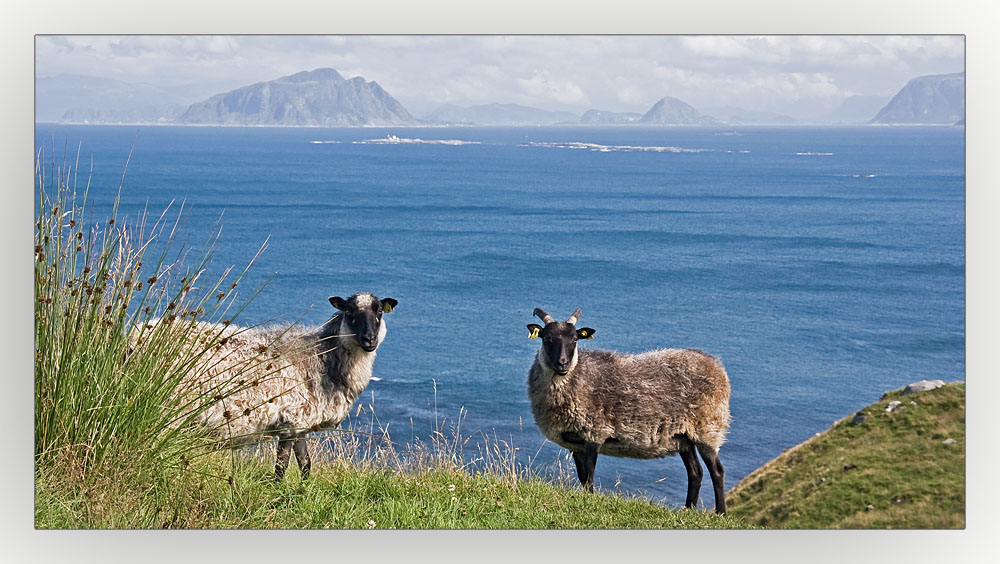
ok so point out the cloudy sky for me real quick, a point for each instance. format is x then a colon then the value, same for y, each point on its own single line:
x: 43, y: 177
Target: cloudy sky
x: 802, y: 76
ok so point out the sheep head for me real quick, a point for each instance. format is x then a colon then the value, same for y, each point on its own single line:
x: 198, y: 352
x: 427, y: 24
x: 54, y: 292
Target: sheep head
x: 559, y: 340
x: 362, y: 318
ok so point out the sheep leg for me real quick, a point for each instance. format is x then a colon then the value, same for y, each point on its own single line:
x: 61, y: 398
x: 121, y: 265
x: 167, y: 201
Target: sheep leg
x: 694, y: 472
x: 586, y: 462
x: 283, y: 452
x: 301, y: 448
x: 711, y: 458
x: 581, y: 473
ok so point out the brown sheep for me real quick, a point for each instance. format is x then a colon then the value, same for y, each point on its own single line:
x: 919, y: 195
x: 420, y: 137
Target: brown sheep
x: 647, y: 405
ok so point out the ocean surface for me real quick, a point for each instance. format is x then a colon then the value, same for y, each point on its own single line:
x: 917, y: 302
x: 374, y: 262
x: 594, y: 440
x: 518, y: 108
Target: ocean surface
x: 824, y: 266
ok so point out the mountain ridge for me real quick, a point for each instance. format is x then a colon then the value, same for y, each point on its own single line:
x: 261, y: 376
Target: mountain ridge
x: 321, y: 97
x: 937, y: 99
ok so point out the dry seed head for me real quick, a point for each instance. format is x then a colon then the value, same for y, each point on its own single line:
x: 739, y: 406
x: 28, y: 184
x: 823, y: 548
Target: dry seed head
x: 111, y: 221
x: 221, y: 295
x: 152, y: 280
x: 72, y: 223
x: 246, y: 412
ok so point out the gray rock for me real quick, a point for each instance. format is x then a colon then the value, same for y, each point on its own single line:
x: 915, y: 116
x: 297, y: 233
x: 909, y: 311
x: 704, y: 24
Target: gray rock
x: 869, y: 507
x: 671, y: 111
x: 893, y: 405
x: 923, y: 386
x: 859, y: 418
x: 948, y: 441
x: 318, y: 98
x: 601, y: 117
x: 936, y: 99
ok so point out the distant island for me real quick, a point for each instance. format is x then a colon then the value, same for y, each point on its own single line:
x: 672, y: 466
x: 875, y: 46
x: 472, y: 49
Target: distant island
x: 497, y: 114
x: 324, y: 98
x: 312, y: 98
x: 935, y: 99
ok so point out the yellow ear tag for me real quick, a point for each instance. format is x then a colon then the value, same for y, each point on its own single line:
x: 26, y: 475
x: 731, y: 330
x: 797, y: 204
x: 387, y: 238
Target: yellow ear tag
x: 386, y: 308
x: 534, y: 333
x: 586, y: 335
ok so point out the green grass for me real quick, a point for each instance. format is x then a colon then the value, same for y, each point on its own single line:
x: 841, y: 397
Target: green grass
x: 904, y: 474
x: 342, y: 495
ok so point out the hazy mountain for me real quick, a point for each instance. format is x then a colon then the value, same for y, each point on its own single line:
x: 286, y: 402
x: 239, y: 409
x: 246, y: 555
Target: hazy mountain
x: 83, y: 99
x: 857, y: 109
x: 742, y: 116
x: 498, y: 114
x: 601, y: 117
x: 310, y: 98
x: 934, y: 99
x: 671, y: 111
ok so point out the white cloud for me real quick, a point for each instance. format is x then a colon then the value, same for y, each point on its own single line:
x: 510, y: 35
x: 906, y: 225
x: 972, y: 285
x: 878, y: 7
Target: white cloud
x: 618, y: 73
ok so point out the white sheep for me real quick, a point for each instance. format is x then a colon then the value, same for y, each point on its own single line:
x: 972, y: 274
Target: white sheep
x: 286, y: 382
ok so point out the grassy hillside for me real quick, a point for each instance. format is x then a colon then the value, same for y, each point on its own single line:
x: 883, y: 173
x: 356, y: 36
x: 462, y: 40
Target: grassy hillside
x: 893, y: 470
x: 341, y: 495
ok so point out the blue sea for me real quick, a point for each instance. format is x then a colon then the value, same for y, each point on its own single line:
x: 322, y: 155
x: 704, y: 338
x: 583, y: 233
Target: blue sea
x: 824, y: 266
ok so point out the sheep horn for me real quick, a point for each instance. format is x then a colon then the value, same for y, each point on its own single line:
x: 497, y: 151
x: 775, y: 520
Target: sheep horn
x: 573, y: 318
x: 545, y: 317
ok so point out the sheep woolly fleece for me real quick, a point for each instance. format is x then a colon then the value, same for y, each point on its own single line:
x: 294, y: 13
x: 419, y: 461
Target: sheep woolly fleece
x: 633, y: 404
x: 268, y: 379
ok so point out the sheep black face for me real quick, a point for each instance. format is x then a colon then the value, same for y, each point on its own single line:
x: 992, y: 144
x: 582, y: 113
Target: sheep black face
x: 363, y: 317
x: 559, y: 340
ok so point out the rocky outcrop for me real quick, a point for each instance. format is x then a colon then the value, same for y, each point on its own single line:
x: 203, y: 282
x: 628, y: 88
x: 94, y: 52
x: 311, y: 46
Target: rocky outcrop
x: 935, y: 99
x: 671, y: 111
x: 312, y: 98
x: 601, y: 117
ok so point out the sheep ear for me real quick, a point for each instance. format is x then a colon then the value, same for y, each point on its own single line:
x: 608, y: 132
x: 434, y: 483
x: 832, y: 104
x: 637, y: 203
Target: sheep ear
x: 388, y: 304
x: 534, y: 330
x: 585, y: 333
x: 338, y: 302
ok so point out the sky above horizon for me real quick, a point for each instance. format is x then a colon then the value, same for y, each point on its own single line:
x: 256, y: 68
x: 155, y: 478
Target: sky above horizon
x: 796, y: 75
